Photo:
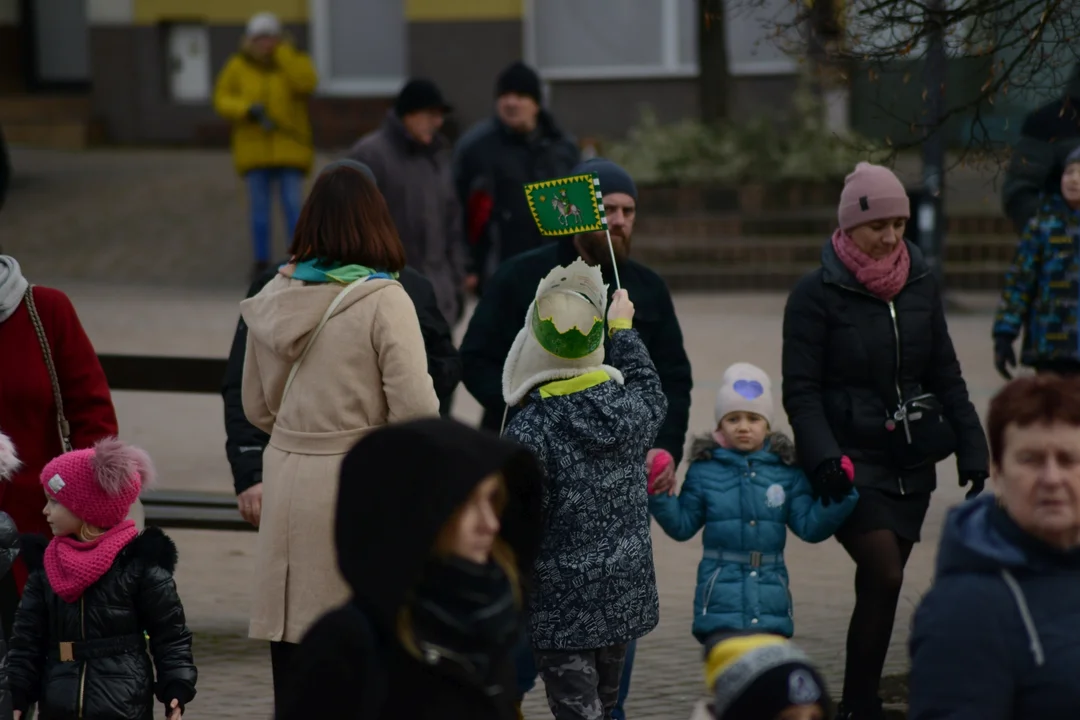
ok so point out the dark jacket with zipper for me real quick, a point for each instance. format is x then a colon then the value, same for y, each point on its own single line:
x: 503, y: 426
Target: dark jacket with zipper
x: 848, y: 354
x: 352, y: 663
x: 244, y: 443
x: 501, y: 312
x: 998, y: 635
x: 111, y: 676
x: 494, y: 160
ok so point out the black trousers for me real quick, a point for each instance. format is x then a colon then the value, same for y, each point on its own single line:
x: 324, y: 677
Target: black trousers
x: 281, y: 655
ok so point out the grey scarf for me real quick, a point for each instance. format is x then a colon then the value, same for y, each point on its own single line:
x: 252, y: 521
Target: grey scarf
x: 12, y: 286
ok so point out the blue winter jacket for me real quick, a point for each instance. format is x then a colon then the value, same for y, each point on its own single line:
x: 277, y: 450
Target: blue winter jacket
x: 745, y: 502
x: 997, y: 637
x: 1042, y: 286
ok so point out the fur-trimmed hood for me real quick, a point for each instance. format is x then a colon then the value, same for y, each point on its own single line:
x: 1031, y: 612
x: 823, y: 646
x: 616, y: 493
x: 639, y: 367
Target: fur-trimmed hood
x: 9, y: 458
x: 776, y: 443
x: 152, y: 546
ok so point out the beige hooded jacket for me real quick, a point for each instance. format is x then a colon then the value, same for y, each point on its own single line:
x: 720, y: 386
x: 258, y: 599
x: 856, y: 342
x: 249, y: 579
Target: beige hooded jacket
x: 366, y: 369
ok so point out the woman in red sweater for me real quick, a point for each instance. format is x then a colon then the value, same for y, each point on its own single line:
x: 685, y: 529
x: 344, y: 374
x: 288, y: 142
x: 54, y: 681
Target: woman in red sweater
x: 28, y: 409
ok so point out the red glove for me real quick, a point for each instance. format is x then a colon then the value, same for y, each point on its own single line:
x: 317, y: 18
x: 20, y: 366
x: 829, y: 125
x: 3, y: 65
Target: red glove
x: 478, y: 212
x: 661, y: 461
x: 848, y: 467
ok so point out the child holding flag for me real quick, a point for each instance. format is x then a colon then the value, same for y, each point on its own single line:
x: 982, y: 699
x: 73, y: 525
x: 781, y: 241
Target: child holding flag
x: 591, y: 425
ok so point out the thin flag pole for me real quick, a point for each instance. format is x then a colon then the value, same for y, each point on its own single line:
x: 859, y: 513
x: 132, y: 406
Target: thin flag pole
x: 607, y: 231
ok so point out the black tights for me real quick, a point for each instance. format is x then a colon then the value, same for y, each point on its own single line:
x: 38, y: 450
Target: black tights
x: 281, y: 655
x: 880, y: 557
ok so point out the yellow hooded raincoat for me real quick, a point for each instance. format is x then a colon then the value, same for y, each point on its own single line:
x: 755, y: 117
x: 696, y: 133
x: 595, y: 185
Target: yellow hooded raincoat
x: 282, y: 86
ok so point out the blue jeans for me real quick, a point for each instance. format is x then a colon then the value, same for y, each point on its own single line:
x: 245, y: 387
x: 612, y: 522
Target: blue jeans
x: 526, y: 673
x: 259, y: 183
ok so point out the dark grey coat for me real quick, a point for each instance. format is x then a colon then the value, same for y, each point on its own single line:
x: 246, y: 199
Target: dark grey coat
x: 416, y: 181
x: 594, y: 584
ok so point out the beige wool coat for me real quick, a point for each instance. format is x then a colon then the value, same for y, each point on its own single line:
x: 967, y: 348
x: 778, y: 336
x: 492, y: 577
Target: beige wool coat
x: 367, y: 368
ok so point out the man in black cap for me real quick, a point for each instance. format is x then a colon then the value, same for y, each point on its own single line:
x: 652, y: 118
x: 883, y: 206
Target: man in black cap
x: 520, y: 144
x: 244, y: 443
x: 411, y: 162
x: 502, y: 309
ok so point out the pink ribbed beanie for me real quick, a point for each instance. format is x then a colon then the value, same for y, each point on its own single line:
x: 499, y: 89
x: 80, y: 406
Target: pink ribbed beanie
x: 871, y: 192
x: 99, y: 485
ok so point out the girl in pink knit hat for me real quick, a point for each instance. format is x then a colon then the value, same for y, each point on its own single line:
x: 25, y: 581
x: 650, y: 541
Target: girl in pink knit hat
x: 97, y: 594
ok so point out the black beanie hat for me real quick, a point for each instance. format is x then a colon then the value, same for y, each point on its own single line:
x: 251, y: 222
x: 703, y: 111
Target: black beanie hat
x: 419, y: 94
x: 518, y: 78
x: 775, y: 690
x: 613, y: 179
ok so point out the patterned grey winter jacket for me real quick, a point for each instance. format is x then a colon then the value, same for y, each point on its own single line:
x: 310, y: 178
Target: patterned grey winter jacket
x: 594, y: 583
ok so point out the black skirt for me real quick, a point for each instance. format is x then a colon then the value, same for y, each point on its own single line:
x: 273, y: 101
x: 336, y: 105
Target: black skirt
x: 881, y: 510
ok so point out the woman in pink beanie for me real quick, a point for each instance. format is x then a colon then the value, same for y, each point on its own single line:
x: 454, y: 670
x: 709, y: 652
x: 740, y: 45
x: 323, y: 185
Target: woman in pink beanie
x: 96, y: 592
x: 869, y: 372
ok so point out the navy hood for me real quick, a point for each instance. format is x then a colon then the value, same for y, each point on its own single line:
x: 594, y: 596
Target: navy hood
x: 979, y: 536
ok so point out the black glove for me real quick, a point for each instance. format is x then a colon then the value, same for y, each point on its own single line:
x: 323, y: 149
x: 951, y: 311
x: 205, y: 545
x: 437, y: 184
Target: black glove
x: 977, y: 478
x: 257, y: 113
x: 830, y: 483
x: 1004, y: 355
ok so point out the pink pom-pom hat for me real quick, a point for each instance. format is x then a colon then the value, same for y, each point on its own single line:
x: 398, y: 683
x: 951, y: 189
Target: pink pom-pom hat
x: 99, y: 485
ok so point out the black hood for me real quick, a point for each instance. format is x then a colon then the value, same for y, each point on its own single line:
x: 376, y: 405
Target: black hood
x: 400, y: 485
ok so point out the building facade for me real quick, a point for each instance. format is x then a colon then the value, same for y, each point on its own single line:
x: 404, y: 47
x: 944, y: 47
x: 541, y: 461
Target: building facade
x: 145, y: 69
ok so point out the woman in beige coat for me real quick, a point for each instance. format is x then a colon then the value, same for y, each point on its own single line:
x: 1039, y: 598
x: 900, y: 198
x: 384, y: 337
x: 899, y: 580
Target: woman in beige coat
x: 334, y: 351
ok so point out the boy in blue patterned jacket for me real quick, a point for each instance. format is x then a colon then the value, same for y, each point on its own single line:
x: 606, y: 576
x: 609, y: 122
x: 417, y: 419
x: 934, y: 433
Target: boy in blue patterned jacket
x: 593, y: 582
x: 1042, y: 286
x: 746, y: 489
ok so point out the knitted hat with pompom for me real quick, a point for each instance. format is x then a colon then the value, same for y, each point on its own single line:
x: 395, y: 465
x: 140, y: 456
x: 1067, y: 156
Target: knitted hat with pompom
x: 99, y: 485
x: 9, y: 460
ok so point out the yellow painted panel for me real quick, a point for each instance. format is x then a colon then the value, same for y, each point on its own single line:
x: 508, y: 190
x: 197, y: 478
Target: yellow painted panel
x: 450, y: 10
x: 218, y: 12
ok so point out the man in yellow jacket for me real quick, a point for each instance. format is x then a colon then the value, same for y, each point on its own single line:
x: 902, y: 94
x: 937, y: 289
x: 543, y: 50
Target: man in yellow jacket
x: 263, y: 90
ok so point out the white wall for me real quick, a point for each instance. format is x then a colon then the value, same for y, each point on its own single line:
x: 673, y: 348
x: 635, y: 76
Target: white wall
x: 108, y: 12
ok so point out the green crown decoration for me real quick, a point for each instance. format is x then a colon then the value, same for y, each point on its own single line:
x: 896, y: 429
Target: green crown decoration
x: 573, y: 344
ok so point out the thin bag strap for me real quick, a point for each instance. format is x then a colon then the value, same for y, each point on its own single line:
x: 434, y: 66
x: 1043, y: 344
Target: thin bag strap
x: 61, y: 420
x: 318, y: 329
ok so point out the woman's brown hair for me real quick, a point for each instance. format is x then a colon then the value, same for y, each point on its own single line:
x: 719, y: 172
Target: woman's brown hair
x: 1026, y: 401
x: 345, y: 220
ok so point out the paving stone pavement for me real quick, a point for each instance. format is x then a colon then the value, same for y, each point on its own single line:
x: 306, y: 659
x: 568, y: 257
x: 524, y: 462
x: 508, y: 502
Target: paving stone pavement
x: 106, y: 217
x: 185, y: 434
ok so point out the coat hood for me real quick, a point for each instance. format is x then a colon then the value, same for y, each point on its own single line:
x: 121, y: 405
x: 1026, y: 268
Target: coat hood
x: 980, y: 537
x: 399, y: 486
x: 778, y: 447
x: 286, y: 311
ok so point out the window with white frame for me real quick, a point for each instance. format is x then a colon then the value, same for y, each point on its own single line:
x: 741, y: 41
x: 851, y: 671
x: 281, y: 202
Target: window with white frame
x: 752, y: 33
x: 611, y: 39
x: 359, y: 47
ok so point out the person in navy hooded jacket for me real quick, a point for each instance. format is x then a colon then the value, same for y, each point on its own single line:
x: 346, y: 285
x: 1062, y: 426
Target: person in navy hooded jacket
x: 998, y: 635
x: 746, y: 489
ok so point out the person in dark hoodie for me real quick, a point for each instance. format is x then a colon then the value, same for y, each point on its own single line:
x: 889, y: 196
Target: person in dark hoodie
x: 437, y: 585
x: 997, y: 637
x: 244, y: 443
x: 520, y: 144
x: 1049, y: 134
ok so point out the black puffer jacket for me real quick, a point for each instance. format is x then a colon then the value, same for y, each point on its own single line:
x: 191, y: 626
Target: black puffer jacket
x: 111, y: 675
x: 9, y: 550
x: 840, y: 372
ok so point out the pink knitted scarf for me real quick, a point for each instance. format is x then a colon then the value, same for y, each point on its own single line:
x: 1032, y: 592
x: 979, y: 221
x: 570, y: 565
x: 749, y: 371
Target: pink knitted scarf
x: 884, y: 278
x: 72, y: 565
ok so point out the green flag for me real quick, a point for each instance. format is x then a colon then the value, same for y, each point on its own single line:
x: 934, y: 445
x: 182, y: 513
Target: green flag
x: 565, y: 206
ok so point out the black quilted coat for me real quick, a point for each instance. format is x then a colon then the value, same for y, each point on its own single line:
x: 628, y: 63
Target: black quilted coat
x: 88, y: 659
x: 9, y: 550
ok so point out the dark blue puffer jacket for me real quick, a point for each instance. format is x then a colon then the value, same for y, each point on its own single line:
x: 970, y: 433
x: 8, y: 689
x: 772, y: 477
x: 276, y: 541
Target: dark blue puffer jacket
x: 998, y: 635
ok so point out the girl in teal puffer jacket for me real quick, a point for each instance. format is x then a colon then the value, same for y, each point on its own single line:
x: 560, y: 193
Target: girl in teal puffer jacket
x: 745, y: 488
